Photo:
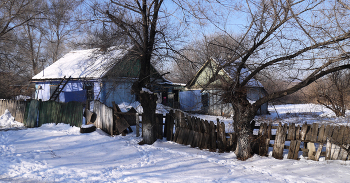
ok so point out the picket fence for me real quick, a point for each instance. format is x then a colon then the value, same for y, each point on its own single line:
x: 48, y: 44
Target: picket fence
x: 311, y: 140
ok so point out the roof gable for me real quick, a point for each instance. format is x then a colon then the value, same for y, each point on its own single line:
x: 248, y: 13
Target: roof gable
x: 129, y: 67
x: 209, y: 68
x: 91, y: 63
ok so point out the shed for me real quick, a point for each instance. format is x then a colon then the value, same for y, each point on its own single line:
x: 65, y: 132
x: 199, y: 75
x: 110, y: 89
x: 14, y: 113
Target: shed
x: 209, y: 100
x: 86, y: 75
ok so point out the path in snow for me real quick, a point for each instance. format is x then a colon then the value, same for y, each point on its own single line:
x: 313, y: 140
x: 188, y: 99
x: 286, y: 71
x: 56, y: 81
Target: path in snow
x: 59, y: 153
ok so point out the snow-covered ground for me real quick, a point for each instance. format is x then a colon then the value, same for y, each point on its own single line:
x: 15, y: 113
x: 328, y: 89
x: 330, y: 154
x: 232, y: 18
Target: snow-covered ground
x: 60, y: 153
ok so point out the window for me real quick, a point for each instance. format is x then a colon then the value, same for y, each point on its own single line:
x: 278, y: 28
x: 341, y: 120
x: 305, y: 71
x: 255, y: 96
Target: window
x: 89, y: 88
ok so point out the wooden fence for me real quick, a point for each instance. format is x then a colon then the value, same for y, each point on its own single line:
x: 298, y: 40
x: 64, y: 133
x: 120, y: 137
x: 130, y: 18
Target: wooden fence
x: 17, y: 108
x: 305, y: 138
x: 38, y: 113
x: 313, y: 141
x: 112, y: 120
x: 104, y: 119
x: 193, y: 131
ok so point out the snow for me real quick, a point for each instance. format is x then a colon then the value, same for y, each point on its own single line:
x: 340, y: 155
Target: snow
x: 60, y: 153
x: 7, y: 121
x: 91, y: 63
x: 160, y: 109
x: 146, y: 90
x: 87, y: 126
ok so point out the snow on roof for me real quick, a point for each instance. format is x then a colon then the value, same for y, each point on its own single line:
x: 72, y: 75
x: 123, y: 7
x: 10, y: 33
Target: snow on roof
x: 91, y: 63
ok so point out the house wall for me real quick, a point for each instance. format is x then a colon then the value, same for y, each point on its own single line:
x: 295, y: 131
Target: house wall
x: 104, y: 91
x: 190, y: 100
x: 75, y: 87
x: 119, y: 93
x: 44, y: 92
x: 216, y: 107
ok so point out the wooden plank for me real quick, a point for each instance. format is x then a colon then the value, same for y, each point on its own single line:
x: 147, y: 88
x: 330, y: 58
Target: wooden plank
x: 308, y: 133
x: 293, y: 150
x: 200, y: 140
x: 314, y: 132
x: 328, y: 132
x: 159, y: 126
x: 340, y: 138
x: 212, y: 137
x: 179, y: 139
x: 219, y: 136
x: 291, y: 132
x: 335, y: 152
x: 170, y: 132
x: 195, y: 139
x: 2, y: 107
x: 20, y: 111
x: 186, y: 136
x: 177, y: 131
x: 223, y: 136
x: 190, y: 138
x: 335, y: 135
x: 120, y: 124
x: 312, y: 150
x: 166, y: 128
x: 177, y: 118
x: 263, y: 141
x: 303, y: 132
x: 167, y: 125
x: 319, y: 150
x: 207, y: 134
x: 279, y: 142
x: 321, y: 135
x: 229, y: 143
x: 297, y: 133
x: 189, y: 122
x: 104, y: 117
x: 342, y: 154
x: 328, y: 148
x: 347, y: 136
x: 206, y: 140
x: 137, y: 125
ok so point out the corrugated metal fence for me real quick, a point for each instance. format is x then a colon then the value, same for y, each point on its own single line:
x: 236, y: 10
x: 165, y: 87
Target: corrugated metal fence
x: 39, y: 113
x: 36, y: 113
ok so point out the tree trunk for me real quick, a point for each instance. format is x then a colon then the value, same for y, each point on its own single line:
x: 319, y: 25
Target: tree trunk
x: 148, y: 102
x: 244, y: 114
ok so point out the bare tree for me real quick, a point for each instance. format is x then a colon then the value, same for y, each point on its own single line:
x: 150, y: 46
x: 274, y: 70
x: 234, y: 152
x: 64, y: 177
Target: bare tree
x: 15, y: 15
x: 62, y: 22
x: 302, y: 40
x: 139, y: 21
x: 333, y: 92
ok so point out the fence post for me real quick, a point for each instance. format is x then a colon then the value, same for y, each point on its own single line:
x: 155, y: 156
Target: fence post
x: 137, y: 125
x: 159, y: 126
x: 170, y: 126
x: 279, y: 141
x: 212, y: 137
